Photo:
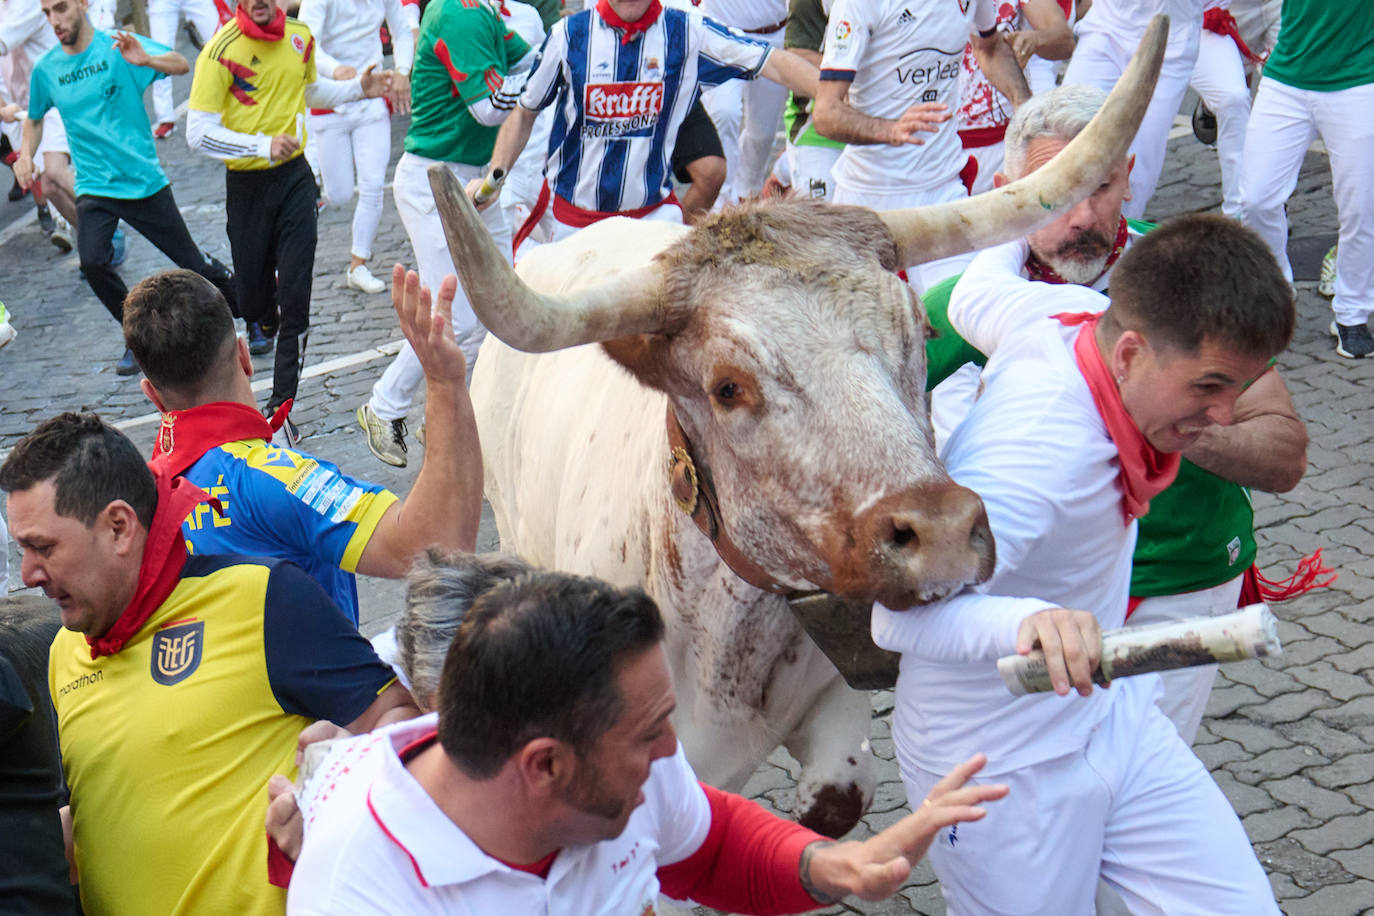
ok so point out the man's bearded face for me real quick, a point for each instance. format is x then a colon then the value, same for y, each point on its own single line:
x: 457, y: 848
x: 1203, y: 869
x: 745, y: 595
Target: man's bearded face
x: 1078, y: 243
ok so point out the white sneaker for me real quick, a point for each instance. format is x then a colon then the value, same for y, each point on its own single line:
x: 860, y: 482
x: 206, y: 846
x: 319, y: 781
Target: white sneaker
x: 361, y: 278
x: 61, y: 234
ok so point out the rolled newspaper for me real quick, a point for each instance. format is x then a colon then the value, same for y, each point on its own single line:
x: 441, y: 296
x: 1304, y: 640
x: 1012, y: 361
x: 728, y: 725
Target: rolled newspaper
x: 490, y: 187
x: 1251, y: 632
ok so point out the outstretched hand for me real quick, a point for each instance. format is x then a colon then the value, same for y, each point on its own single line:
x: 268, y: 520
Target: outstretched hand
x: 875, y: 868
x: 429, y: 329
x: 131, y: 50
x: 923, y: 117
x: 375, y: 82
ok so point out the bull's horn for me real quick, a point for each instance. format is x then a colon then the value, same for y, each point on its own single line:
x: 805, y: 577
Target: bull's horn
x: 631, y: 303
x: 929, y: 233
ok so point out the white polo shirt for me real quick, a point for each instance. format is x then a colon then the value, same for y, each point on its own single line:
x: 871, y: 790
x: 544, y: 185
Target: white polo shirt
x: 1036, y: 449
x: 375, y: 842
x: 1126, y: 20
x: 900, y: 53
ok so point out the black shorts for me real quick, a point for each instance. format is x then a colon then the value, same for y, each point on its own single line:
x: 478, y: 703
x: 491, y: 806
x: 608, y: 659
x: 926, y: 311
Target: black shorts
x: 696, y: 139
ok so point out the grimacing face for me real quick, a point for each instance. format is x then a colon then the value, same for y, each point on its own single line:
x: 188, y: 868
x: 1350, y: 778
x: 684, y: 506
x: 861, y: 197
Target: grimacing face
x: 1078, y: 243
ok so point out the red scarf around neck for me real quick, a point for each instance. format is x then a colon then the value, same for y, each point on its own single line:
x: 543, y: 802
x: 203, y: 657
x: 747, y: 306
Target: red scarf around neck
x: 164, y: 554
x: 1145, y: 471
x: 1039, y: 270
x: 273, y: 31
x: 603, y: 8
x: 185, y: 435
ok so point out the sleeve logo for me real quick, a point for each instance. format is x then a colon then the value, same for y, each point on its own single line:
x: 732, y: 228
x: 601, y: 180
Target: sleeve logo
x: 298, y: 43
x: 177, y: 651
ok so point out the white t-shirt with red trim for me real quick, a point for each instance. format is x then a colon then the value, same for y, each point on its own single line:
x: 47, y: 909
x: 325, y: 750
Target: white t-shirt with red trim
x: 897, y: 53
x: 375, y: 842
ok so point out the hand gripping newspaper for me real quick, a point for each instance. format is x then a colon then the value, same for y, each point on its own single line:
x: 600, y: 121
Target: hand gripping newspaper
x: 1251, y: 632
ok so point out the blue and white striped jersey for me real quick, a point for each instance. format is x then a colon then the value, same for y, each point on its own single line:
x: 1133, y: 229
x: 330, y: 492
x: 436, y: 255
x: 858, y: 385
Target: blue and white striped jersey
x: 619, y: 106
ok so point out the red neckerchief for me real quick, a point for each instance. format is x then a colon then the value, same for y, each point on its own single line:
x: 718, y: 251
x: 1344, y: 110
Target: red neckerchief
x: 1043, y: 272
x: 273, y: 31
x: 164, y: 554
x: 185, y: 435
x: 603, y: 9
x: 1145, y: 471
x: 1221, y: 22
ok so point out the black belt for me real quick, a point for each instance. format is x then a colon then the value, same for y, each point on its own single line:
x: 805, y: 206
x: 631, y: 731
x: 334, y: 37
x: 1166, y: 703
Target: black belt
x: 768, y: 29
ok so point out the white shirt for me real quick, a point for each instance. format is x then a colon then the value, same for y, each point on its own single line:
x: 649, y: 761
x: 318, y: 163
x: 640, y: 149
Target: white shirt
x: 745, y: 14
x: 346, y: 33
x: 1127, y: 20
x: 375, y: 842
x: 25, y: 36
x: 900, y: 53
x: 1035, y: 448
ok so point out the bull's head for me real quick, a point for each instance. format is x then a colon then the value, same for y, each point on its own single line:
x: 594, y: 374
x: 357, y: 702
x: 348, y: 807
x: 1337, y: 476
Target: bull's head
x: 795, y: 358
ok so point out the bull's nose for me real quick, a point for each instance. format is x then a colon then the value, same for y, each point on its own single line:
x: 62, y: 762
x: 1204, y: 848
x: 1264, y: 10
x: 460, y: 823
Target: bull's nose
x: 936, y: 541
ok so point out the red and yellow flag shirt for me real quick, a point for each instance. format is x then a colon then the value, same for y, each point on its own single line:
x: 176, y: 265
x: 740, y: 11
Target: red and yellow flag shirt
x: 168, y: 744
x: 257, y: 86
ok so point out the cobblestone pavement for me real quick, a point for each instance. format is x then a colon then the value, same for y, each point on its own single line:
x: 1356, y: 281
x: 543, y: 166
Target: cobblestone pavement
x: 1290, y: 741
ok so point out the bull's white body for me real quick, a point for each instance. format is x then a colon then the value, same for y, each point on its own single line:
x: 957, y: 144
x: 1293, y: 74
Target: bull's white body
x: 575, y: 454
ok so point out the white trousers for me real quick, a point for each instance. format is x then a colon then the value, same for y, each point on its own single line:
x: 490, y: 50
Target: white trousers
x: 813, y: 170
x: 394, y: 393
x: 1219, y: 77
x: 1099, y: 61
x: 1135, y: 806
x: 163, y: 18
x: 1283, y: 124
x: 1186, y: 689
x: 990, y: 159
x: 355, y: 140
x: 747, y: 115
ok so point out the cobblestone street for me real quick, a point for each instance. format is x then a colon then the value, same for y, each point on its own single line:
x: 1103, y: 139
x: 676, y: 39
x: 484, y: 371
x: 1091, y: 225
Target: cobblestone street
x: 1290, y: 741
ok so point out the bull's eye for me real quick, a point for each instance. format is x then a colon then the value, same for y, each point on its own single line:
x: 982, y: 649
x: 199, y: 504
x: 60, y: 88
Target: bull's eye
x: 726, y: 392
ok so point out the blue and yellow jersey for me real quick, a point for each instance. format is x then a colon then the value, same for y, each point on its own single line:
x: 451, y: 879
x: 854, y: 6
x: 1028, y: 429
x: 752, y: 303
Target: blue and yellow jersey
x: 169, y: 743
x: 282, y: 503
x: 256, y: 86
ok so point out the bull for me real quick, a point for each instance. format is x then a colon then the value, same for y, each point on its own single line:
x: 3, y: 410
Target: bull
x: 732, y: 415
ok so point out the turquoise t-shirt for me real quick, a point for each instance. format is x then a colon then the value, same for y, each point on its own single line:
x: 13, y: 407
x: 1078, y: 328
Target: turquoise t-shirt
x: 100, y: 98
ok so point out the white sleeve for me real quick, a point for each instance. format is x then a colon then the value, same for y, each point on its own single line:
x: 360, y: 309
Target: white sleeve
x: 723, y: 53
x: 680, y: 807
x: 985, y: 16
x: 327, y: 93
x: 992, y: 300
x: 966, y: 628
x: 846, y: 36
x: 412, y: 12
x: 546, y: 76
x: 206, y: 133
x: 402, y: 38
x: 493, y: 109
x: 22, y: 18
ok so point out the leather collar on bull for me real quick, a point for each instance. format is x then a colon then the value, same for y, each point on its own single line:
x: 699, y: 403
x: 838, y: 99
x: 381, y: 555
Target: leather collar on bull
x: 839, y: 628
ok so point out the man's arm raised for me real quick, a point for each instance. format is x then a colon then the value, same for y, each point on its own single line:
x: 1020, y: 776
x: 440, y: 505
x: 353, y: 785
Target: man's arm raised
x: 445, y: 503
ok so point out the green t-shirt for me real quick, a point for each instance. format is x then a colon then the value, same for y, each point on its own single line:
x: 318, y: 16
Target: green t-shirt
x: 805, y: 29
x: 1324, y: 45
x: 463, y: 54
x: 1200, y: 532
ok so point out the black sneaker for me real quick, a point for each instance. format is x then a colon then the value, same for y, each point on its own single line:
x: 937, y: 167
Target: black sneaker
x: 127, y: 365
x: 46, y: 224
x: 259, y: 343
x: 1353, y: 341
x: 1204, y: 124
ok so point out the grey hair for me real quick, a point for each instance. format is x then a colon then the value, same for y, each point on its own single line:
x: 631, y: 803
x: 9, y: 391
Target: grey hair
x: 1061, y: 113
x: 439, y: 590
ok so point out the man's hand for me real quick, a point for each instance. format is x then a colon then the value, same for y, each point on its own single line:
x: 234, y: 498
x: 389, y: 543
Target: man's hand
x: 1023, y: 44
x: 923, y: 117
x: 376, y: 83
x: 131, y: 50
x: 876, y: 868
x: 284, y: 146
x: 344, y: 72
x: 1072, y: 643
x: 23, y: 170
x: 473, y: 187
x: 400, y: 93
x: 429, y: 330
x: 11, y: 112
x: 284, y: 823
x: 320, y: 730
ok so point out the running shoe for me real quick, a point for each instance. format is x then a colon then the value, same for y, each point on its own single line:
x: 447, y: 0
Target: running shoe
x: 259, y: 343
x: 360, y: 278
x: 121, y: 247
x: 1204, y: 124
x: 164, y: 130
x: 1353, y: 341
x: 127, y: 365
x: 61, y: 235
x: 1326, y: 285
x: 286, y: 437
x: 45, y: 221
x: 385, y: 438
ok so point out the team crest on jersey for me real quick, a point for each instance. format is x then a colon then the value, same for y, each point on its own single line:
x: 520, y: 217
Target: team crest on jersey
x: 616, y: 109
x: 298, y: 43
x: 843, y: 30
x: 177, y: 651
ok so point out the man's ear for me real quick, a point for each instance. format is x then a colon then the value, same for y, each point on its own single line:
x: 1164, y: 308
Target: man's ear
x: 545, y: 765
x: 244, y: 357
x: 122, y: 522
x: 1126, y: 353
x: 151, y: 393
x: 1000, y: 180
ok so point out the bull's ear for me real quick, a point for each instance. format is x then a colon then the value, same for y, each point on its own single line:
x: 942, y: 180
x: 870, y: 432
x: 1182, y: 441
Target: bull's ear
x: 645, y: 356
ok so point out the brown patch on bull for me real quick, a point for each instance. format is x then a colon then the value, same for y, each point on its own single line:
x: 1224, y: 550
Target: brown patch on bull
x: 835, y: 810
